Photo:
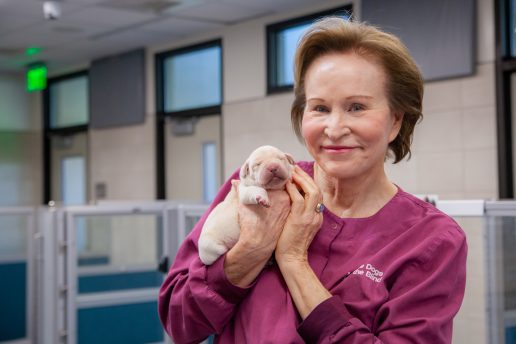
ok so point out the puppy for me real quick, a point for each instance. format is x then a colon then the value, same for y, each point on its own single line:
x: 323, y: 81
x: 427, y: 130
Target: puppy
x: 267, y: 168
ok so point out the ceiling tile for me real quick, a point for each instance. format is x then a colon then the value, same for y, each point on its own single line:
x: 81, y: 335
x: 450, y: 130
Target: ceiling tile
x: 180, y: 27
x: 43, y: 36
x: 90, y: 29
x: 222, y: 12
x: 31, y: 8
x: 13, y: 23
x: 271, y: 5
x: 97, y: 15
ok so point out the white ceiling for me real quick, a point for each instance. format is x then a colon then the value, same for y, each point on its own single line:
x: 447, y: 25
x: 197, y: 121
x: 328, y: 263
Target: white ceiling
x: 89, y: 29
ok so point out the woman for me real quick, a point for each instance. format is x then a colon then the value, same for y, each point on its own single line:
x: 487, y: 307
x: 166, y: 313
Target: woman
x: 374, y: 263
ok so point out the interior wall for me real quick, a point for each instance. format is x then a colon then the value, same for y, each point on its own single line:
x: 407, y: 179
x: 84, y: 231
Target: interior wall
x: 20, y: 143
x: 250, y: 117
x: 65, y: 147
x: 123, y: 159
x: 184, y: 159
x: 454, y: 148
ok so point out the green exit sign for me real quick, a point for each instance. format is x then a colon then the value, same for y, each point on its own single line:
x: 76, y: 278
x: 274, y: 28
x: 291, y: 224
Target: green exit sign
x: 36, y: 77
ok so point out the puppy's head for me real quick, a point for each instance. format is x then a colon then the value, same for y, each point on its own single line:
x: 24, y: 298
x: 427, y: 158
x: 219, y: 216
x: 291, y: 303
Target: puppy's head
x: 267, y: 167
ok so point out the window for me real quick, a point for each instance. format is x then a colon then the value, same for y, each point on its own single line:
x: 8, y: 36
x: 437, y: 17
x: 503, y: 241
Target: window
x: 188, y: 87
x: 282, y: 40
x: 73, y: 180
x: 209, y: 171
x: 191, y: 80
x: 65, y: 142
x: 69, y: 102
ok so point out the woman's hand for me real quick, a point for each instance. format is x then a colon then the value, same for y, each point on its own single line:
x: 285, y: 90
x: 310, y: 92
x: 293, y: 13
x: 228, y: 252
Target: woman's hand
x: 260, y: 229
x: 303, y: 222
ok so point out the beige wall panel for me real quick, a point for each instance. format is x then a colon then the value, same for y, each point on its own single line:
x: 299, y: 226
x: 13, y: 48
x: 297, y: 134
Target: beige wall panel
x: 245, y: 80
x: 480, y: 171
x: 471, y: 321
x: 184, y: 170
x: 479, y: 127
x: 20, y: 168
x: 438, y: 132
x: 250, y: 124
x: 61, y: 148
x: 440, y: 173
x: 479, y: 90
x: 123, y: 158
x: 20, y: 143
x: 485, y: 31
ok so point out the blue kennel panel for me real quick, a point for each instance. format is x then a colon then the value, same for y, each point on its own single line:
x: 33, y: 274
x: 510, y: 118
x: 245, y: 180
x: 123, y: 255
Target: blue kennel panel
x: 510, y: 335
x: 13, y: 301
x: 119, y: 281
x: 125, y: 324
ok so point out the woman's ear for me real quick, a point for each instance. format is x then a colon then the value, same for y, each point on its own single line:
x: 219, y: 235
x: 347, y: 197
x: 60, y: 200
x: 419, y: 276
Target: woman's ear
x: 396, y: 125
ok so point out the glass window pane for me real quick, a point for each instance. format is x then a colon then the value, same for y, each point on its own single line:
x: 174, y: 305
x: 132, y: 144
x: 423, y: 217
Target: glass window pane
x: 69, y: 102
x: 287, y: 41
x: 73, y: 174
x: 193, y: 79
x: 118, y: 252
x: 69, y: 170
x: 209, y: 170
x: 13, y: 237
x: 511, y: 28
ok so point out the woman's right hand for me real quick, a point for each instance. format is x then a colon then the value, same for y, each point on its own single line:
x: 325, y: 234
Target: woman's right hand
x: 260, y: 229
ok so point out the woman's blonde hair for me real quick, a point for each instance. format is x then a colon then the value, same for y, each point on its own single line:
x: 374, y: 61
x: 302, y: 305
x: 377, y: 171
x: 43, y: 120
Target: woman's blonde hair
x: 404, y: 84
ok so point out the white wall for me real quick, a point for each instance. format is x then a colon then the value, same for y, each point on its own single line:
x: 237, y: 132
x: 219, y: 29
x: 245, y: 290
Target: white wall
x: 184, y: 159
x: 454, y: 149
x: 20, y: 143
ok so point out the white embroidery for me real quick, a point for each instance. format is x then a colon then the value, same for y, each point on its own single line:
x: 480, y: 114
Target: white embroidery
x: 370, y: 272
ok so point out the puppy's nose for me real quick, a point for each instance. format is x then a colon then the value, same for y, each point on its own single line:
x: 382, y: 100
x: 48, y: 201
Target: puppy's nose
x: 273, y: 168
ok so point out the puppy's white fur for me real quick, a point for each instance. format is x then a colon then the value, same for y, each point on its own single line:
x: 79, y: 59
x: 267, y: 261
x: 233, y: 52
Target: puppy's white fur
x: 267, y: 168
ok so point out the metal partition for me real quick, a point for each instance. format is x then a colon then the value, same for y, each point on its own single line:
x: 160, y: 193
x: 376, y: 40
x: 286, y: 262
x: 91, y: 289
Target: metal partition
x: 182, y: 219
x: 501, y: 270
x: 88, y: 273
x: 112, y: 283
x: 97, y: 269
x: 17, y: 271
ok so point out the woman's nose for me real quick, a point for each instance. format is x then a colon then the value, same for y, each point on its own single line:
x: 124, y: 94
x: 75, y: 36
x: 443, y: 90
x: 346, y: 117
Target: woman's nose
x: 337, y: 125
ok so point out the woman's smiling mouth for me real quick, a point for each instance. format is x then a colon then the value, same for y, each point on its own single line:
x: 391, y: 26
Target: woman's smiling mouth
x: 337, y: 149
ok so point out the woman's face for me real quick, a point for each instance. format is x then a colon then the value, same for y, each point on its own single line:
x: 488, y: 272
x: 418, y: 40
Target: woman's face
x: 347, y: 123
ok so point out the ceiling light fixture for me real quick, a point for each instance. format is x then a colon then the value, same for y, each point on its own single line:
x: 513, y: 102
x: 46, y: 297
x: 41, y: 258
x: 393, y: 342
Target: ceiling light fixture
x: 52, y: 10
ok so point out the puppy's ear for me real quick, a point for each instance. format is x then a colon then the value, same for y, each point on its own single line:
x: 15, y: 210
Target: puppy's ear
x: 290, y: 159
x: 244, y: 170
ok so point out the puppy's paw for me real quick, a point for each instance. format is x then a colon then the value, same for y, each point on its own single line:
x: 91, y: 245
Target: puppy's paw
x: 263, y: 201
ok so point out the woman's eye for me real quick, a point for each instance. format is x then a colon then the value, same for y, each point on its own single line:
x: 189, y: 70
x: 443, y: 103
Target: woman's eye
x: 356, y: 107
x: 320, y: 108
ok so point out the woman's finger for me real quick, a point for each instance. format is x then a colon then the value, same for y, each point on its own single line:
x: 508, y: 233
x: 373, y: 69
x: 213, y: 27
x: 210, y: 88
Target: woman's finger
x: 312, y: 194
x: 295, y: 196
x: 307, y: 182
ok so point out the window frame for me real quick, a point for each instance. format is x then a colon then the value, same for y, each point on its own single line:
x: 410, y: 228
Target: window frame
x: 161, y: 114
x: 505, y: 65
x: 49, y: 132
x: 273, y: 29
x: 160, y: 81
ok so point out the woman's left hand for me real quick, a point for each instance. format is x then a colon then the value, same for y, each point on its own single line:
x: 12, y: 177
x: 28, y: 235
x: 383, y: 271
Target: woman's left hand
x: 303, y: 221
